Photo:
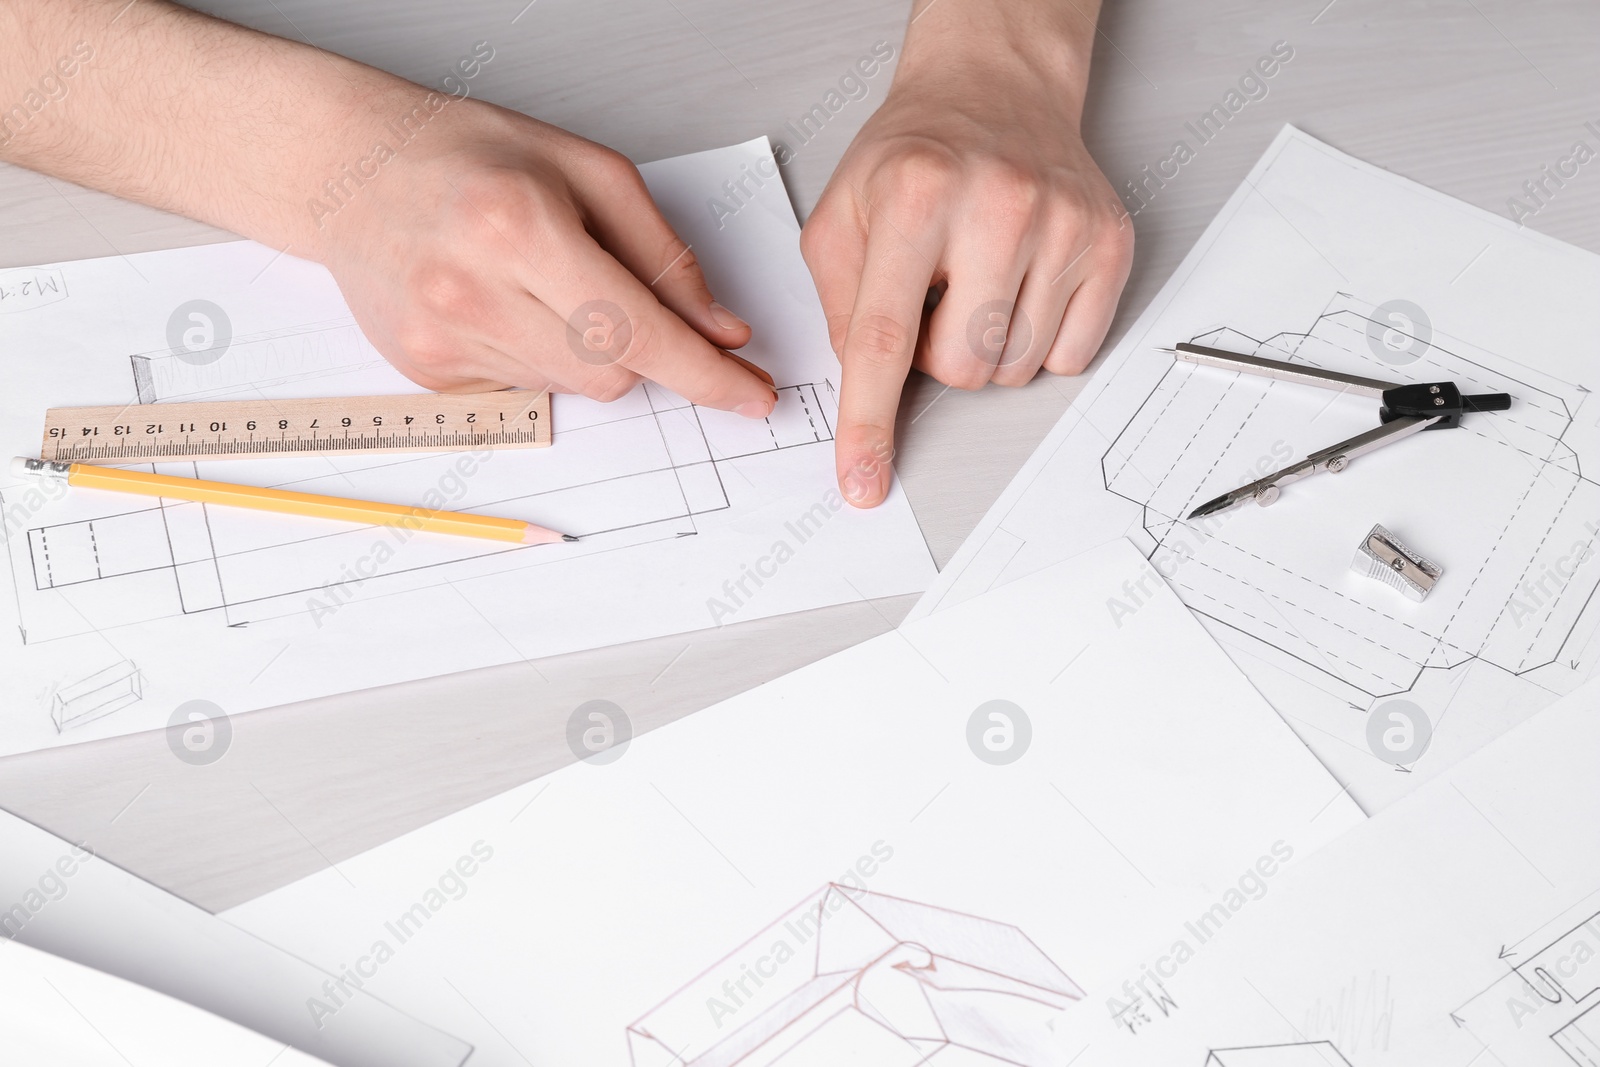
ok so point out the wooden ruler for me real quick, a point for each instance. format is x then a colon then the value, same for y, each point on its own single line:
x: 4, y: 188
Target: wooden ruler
x: 323, y: 426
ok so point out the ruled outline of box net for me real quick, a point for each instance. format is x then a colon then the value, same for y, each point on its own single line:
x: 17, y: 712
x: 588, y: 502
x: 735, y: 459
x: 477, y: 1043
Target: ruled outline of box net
x: 1565, y: 971
x: 1580, y: 1038
x: 687, y: 473
x: 1559, y: 978
x: 1360, y: 661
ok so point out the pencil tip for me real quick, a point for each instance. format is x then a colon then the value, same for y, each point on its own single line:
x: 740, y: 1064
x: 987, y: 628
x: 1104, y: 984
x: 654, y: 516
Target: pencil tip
x: 538, y: 535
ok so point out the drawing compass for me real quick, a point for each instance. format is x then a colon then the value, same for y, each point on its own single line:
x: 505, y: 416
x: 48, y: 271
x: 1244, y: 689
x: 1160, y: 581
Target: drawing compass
x: 1405, y: 410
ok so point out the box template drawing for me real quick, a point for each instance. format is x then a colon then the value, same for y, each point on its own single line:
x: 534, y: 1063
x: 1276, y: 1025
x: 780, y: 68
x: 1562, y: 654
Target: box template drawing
x: 853, y: 976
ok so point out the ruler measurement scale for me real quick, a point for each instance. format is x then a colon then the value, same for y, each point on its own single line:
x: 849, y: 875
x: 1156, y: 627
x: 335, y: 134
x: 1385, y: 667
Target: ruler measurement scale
x: 324, y: 426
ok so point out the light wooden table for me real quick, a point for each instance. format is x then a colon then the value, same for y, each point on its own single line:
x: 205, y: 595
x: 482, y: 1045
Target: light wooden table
x: 1471, y: 97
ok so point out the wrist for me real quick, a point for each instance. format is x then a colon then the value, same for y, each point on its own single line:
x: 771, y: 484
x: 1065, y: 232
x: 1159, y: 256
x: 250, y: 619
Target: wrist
x: 379, y: 128
x: 1033, y: 46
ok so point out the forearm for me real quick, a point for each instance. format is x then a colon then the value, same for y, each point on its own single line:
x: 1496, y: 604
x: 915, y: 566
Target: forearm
x: 1045, y: 42
x: 175, y: 109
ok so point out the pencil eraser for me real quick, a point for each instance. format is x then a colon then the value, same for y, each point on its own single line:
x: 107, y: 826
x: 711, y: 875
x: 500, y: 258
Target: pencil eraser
x: 20, y: 467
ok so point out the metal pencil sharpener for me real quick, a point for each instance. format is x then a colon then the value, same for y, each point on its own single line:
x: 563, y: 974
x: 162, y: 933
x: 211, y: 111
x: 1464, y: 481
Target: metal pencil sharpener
x: 1385, y: 558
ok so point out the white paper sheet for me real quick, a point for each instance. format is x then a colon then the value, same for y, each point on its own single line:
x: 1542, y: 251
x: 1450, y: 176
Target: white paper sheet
x: 1460, y: 926
x: 1324, y: 259
x: 116, y: 611
x: 58, y: 897
x: 996, y: 895
x: 68, y: 1015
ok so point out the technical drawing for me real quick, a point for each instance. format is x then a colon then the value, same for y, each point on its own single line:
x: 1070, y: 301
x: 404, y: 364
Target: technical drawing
x: 1299, y: 1054
x: 679, y: 516
x: 96, y: 696
x: 1551, y: 991
x: 1580, y: 1039
x: 1508, y: 500
x: 855, y: 976
x: 667, y: 464
x: 1568, y: 967
x: 1566, y: 972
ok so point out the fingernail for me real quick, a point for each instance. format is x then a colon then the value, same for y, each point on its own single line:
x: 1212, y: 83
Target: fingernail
x: 725, y: 318
x: 866, y: 483
x: 756, y: 409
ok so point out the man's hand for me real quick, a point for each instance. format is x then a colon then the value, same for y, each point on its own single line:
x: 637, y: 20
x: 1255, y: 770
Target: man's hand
x: 972, y: 178
x: 497, y: 250
x: 477, y: 247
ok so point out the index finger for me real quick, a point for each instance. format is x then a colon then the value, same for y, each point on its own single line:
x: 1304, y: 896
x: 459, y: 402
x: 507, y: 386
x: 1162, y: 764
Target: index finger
x: 878, y: 350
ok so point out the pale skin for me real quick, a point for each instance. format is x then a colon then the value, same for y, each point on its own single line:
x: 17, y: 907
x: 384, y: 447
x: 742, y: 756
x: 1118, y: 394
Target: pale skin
x: 474, y: 260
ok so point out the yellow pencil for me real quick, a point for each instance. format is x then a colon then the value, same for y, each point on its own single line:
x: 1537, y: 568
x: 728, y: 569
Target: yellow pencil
x: 289, y: 502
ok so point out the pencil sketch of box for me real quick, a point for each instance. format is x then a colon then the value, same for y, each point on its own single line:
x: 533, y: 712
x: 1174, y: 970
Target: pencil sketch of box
x: 1298, y: 1054
x: 854, y: 977
x: 96, y: 696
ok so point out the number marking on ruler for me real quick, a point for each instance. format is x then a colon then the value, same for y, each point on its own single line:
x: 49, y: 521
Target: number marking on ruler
x: 324, y: 426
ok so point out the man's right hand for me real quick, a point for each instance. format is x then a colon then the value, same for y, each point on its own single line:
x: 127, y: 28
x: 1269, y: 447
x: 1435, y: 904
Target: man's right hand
x: 497, y: 250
